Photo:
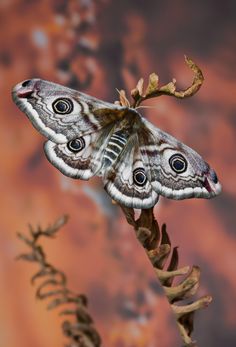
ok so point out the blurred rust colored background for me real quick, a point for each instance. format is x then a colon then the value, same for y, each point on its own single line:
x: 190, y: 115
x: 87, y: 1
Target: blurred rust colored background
x: 96, y: 47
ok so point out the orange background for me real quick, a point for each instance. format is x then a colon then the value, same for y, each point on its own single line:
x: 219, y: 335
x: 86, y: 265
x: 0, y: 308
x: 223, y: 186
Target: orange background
x: 96, y: 47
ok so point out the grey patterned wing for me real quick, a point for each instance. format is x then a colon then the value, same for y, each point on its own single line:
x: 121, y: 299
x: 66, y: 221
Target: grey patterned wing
x: 83, y: 133
x: 175, y: 170
x: 81, y: 157
x: 126, y: 181
x: 62, y: 114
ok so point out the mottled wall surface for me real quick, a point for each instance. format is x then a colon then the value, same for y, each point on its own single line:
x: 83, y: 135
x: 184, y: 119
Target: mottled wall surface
x: 97, y: 47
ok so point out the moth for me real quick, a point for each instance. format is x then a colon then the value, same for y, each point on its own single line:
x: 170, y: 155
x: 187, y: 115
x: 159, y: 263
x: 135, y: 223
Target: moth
x: 88, y: 137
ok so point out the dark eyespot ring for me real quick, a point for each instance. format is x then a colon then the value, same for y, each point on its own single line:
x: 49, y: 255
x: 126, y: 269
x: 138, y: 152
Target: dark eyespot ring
x: 178, y: 163
x: 62, y: 106
x: 139, y: 177
x: 76, y: 145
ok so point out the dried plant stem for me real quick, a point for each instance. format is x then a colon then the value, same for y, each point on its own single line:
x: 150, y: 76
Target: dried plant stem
x: 157, y: 245
x: 153, y: 90
x: 53, y: 286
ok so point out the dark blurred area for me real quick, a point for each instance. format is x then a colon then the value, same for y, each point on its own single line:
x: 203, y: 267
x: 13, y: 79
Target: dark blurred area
x: 96, y: 47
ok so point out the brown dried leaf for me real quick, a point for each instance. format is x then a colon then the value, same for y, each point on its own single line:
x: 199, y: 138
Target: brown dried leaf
x: 80, y: 313
x: 123, y: 99
x: 25, y: 239
x: 65, y: 297
x: 198, y: 76
x: 46, y: 271
x: 185, y: 335
x: 168, y: 88
x: 57, y: 225
x: 82, y: 334
x: 174, y: 260
x: 137, y: 92
x: 152, y: 85
x: 158, y: 256
x: 173, y: 265
x: 27, y: 257
x: 143, y: 234
x: 194, y: 306
x: 57, y: 301
x: 185, y: 289
x: 164, y: 236
x: 139, y: 86
x: 187, y: 322
x: 43, y: 293
x: 164, y: 275
x: 147, y: 220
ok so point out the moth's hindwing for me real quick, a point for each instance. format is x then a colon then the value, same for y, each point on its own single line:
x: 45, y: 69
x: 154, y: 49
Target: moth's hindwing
x: 126, y: 181
x: 80, y: 157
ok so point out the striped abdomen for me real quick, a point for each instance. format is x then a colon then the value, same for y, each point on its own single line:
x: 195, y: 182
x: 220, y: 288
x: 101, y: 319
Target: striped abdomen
x: 114, y: 147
